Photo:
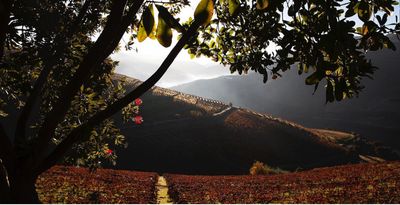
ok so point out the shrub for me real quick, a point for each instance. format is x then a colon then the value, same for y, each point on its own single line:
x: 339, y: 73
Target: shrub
x: 259, y: 168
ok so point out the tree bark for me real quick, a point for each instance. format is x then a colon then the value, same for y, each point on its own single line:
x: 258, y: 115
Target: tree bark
x: 23, y: 189
x: 17, y: 178
x: 7, y: 154
x: 4, y: 185
x: 17, y: 187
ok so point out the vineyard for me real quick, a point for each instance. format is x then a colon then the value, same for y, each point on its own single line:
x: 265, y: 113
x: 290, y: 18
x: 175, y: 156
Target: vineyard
x: 78, y: 185
x: 362, y: 183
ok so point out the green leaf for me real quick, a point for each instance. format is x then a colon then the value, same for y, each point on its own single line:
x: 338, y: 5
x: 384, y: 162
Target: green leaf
x: 388, y: 44
x: 339, y: 89
x: 148, y: 21
x: 364, y: 30
x: 232, y: 69
x: 305, y: 68
x: 364, y: 11
x: 169, y: 19
x: 262, y: 4
x: 329, y: 92
x: 368, y: 27
x: 164, y: 32
x: 379, y: 19
x: 293, y: 9
x: 3, y: 114
x: 351, y: 9
x: 265, y: 77
x: 349, y: 13
x: 204, y: 12
x: 314, y: 78
x: 315, y: 88
x: 300, y: 69
x: 141, y: 35
x: 233, y: 7
x: 384, y: 19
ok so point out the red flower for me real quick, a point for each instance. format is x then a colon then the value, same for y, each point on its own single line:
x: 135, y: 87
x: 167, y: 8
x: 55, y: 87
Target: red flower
x: 138, y: 101
x: 138, y: 120
x: 109, y: 151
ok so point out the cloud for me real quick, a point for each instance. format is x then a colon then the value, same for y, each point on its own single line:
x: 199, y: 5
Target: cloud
x: 142, y: 65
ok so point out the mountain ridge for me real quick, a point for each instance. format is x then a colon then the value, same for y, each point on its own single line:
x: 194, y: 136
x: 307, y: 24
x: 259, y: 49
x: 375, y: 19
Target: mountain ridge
x: 186, y: 134
x: 374, y: 114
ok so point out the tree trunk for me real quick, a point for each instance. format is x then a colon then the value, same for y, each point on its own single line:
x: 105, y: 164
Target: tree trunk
x: 23, y: 190
x: 17, y: 187
x: 4, y: 185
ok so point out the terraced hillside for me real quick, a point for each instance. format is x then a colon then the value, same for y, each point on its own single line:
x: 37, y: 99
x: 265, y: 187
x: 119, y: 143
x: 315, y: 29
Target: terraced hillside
x: 187, y: 134
x: 374, y: 114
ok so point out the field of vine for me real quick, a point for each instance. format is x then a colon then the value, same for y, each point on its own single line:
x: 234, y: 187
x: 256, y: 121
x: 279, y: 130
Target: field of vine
x: 78, y: 185
x: 361, y: 183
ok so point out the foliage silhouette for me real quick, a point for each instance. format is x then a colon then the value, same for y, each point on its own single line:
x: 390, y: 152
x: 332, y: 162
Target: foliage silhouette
x: 53, y: 65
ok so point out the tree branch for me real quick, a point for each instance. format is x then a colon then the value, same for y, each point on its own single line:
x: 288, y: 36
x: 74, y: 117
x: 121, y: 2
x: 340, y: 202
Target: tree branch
x: 4, y: 21
x: 42, y: 79
x: 104, y: 46
x: 75, y: 137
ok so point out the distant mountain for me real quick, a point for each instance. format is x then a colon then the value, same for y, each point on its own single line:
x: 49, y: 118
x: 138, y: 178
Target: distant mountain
x: 375, y: 114
x: 187, y: 134
x: 179, y: 72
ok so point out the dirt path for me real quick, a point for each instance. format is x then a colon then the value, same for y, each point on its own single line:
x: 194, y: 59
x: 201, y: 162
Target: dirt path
x: 223, y: 111
x: 162, y: 191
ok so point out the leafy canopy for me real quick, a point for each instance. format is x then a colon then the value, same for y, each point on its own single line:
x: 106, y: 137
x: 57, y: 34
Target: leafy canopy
x: 324, y: 38
x: 46, y: 34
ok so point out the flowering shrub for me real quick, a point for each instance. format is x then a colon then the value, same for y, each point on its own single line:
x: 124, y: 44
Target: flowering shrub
x: 109, y: 139
x: 138, y: 120
x: 133, y: 109
x: 138, y: 101
x: 108, y: 151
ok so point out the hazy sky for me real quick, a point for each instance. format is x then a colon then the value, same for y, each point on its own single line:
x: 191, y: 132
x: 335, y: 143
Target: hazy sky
x: 150, y: 55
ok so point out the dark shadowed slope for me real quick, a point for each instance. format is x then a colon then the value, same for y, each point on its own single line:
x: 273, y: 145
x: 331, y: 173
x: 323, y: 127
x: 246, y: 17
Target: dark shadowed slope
x: 375, y: 114
x: 187, y: 134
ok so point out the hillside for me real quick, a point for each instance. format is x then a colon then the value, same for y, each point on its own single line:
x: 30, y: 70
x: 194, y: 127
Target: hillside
x: 361, y: 183
x: 187, y: 134
x: 66, y: 185
x: 357, y: 184
x: 374, y: 114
